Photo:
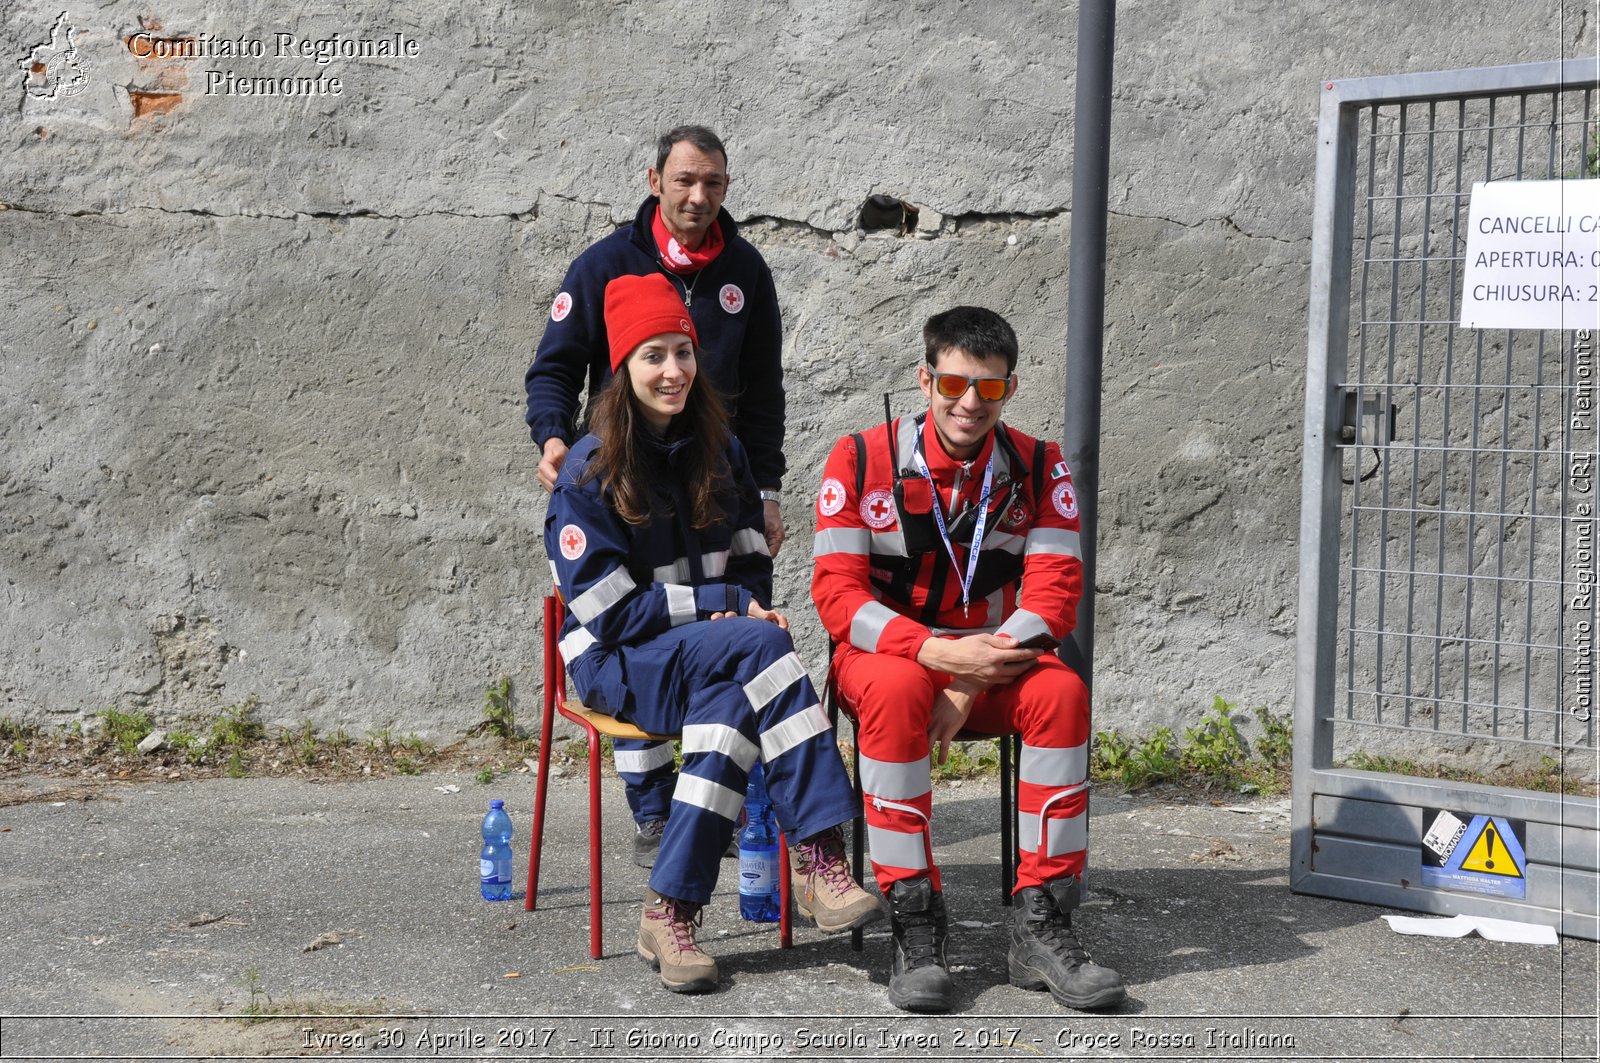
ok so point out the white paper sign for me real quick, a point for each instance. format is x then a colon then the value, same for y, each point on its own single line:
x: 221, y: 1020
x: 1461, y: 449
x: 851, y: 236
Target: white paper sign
x: 1533, y: 256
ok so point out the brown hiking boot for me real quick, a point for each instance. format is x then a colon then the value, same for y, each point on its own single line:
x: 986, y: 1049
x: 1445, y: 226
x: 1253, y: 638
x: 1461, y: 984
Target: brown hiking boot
x: 824, y: 888
x: 666, y: 942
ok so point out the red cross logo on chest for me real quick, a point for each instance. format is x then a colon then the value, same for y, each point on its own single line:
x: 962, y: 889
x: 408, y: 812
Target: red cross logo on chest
x: 877, y: 509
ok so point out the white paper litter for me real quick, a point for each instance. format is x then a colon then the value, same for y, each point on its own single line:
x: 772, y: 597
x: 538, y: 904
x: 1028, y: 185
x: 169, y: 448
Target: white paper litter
x: 451, y: 788
x: 1462, y: 925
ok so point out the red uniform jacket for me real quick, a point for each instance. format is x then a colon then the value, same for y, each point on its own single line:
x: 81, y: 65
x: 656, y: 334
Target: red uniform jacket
x: 883, y: 579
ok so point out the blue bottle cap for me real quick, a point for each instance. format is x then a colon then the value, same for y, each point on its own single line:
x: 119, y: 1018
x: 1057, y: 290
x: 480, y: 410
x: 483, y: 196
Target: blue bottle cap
x: 497, y: 803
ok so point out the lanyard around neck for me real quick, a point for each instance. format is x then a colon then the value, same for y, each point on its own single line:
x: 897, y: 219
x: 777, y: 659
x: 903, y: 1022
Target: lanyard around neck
x: 977, y: 530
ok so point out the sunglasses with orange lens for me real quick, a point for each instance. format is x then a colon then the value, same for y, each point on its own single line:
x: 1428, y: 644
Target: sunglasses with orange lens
x: 954, y: 385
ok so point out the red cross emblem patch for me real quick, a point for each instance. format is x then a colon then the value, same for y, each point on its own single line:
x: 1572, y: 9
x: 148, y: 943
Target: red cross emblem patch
x: 561, y: 307
x: 877, y: 509
x: 830, y: 499
x: 1065, y: 499
x: 731, y: 298
x: 573, y: 542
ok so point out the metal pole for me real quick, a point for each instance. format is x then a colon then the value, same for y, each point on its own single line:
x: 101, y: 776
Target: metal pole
x: 1086, y: 293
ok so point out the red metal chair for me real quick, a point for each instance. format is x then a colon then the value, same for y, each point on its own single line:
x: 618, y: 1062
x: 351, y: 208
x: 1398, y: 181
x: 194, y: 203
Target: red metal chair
x: 594, y: 725
x: 1010, y: 752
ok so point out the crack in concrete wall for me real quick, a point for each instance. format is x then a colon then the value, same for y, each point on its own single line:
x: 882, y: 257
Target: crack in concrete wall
x: 958, y: 224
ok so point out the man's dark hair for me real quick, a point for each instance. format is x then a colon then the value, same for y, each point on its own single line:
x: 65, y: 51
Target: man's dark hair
x: 981, y: 333
x: 698, y: 135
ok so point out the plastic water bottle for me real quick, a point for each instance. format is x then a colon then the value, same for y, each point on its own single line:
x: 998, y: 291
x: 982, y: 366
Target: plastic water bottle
x: 494, y: 863
x: 758, y: 853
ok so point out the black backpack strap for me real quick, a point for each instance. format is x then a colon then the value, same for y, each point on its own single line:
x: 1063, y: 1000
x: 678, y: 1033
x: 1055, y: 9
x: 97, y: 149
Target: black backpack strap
x: 861, y: 463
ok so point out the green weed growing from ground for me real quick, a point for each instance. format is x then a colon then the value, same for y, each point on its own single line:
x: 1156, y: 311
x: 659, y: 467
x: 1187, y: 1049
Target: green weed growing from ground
x: 499, y: 717
x: 126, y: 729
x: 1213, y: 752
x: 967, y: 760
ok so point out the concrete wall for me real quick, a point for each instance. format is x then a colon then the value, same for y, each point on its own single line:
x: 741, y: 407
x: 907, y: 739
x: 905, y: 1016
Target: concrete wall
x: 261, y: 358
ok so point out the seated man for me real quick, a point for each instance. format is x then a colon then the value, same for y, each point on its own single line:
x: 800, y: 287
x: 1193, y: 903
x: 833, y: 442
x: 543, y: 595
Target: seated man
x: 947, y: 562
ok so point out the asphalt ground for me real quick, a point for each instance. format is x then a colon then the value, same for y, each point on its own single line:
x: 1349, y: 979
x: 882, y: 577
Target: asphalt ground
x: 235, y: 919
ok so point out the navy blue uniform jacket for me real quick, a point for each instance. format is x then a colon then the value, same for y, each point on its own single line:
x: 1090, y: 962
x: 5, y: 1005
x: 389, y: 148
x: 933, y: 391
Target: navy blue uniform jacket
x: 735, y: 311
x: 626, y: 583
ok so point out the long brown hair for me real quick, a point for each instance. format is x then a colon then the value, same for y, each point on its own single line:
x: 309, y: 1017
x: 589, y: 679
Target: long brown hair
x: 620, y: 460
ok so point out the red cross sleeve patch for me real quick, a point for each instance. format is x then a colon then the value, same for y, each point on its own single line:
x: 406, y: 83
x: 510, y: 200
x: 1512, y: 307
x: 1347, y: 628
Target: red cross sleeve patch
x: 830, y: 499
x: 573, y: 542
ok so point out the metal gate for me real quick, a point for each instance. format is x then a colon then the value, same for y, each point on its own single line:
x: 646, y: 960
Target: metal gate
x: 1448, y: 513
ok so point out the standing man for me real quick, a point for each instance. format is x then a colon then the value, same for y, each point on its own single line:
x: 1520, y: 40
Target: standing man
x: 947, y: 562
x: 681, y: 231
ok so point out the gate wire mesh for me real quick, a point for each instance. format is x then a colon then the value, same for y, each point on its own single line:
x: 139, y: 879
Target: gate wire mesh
x: 1465, y: 570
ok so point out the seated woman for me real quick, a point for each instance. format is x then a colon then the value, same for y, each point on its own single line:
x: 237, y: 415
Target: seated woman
x: 655, y: 535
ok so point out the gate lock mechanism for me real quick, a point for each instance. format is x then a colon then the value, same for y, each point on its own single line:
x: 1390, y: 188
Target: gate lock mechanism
x: 1368, y: 420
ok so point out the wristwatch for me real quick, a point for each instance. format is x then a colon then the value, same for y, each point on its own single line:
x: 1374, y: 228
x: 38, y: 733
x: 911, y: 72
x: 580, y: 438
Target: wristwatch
x: 769, y: 495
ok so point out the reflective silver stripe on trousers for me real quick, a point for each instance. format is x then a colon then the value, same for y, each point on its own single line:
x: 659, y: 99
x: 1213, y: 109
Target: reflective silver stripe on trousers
x: 1043, y: 766
x: 677, y: 572
x: 782, y: 737
x: 896, y: 780
x: 893, y: 848
x: 639, y: 761
x: 574, y: 644
x: 1023, y: 625
x: 841, y: 541
x: 601, y: 596
x: 1068, y: 835
x: 715, y: 564
x: 720, y: 738
x: 713, y: 797
x: 774, y: 679
x: 867, y: 626
x: 680, y: 603
x: 750, y: 541
x: 1054, y: 541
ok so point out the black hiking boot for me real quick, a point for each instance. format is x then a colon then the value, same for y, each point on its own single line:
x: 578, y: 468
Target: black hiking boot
x: 919, y: 978
x: 647, y: 841
x: 1045, y: 953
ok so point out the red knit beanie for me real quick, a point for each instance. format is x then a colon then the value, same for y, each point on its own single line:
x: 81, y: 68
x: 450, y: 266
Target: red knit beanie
x: 638, y: 308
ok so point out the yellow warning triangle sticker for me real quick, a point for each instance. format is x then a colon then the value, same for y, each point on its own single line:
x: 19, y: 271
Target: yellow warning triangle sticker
x: 1490, y: 855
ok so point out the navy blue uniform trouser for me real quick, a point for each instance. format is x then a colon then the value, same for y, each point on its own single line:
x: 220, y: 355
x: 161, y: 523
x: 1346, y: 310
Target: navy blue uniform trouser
x: 735, y: 690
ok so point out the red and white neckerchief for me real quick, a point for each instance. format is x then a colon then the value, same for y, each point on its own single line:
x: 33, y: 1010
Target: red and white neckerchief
x: 680, y: 259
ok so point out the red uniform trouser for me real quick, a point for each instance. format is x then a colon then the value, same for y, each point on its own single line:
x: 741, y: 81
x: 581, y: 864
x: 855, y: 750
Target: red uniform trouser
x: 1048, y: 705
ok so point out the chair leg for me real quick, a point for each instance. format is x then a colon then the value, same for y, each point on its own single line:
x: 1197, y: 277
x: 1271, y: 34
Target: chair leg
x: 858, y: 831
x: 785, y: 895
x: 595, y: 849
x: 1008, y: 807
x: 536, y: 835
